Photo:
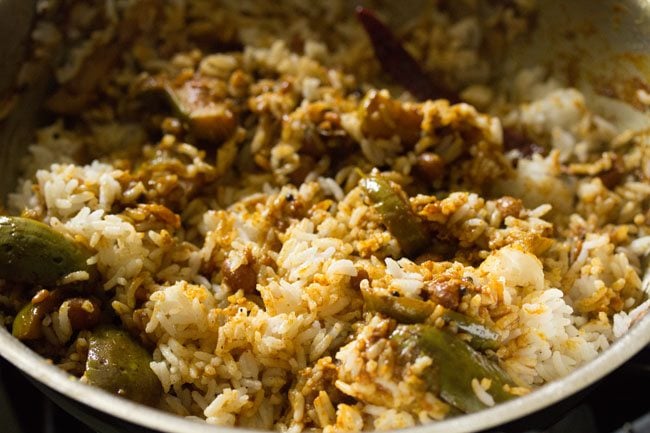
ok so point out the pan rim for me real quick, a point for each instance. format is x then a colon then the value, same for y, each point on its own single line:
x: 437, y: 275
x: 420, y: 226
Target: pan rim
x: 44, y: 372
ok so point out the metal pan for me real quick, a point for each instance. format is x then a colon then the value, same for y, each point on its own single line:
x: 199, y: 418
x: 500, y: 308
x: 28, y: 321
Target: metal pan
x: 602, y: 47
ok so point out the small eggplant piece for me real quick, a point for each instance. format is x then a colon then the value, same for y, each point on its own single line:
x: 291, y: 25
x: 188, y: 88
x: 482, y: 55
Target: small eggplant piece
x: 383, y: 117
x: 444, y: 290
x: 396, y: 214
x: 117, y: 364
x: 398, y: 63
x: 411, y: 311
x: 83, y: 313
x: 160, y: 87
x: 482, y: 336
x: 400, y: 308
x: 455, y: 365
x: 191, y: 102
x: 27, y: 323
x: 407, y: 341
x: 34, y: 253
x: 212, y: 122
x: 458, y: 365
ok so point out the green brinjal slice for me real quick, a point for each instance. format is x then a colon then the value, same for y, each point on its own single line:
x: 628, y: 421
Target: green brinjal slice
x: 397, y: 215
x: 458, y: 363
x: 412, y: 310
x: 27, y: 324
x: 482, y: 336
x: 400, y: 308
x: 34, y: 253
x: 121, y: 366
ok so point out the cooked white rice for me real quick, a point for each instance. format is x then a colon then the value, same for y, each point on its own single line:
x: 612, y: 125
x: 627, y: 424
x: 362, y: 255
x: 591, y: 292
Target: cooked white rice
x: 560, y: 277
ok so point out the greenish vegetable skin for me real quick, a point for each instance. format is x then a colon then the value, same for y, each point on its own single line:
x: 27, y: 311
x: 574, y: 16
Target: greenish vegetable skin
x: 482, y: 336
x: 412, y: 311
x: 400, y: 308
x: 457, y: 363
x: 27, y: 323
x: 34, y: 253
x: 397, y: 215
x: 117, y: 364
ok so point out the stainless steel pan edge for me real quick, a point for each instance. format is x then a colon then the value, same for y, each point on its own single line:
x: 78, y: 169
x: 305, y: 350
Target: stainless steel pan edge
x: 39, y: 369
x: 618, y: 50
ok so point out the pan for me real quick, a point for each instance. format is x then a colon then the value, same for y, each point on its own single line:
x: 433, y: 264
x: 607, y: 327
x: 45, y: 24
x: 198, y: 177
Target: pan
x: 602, y: 48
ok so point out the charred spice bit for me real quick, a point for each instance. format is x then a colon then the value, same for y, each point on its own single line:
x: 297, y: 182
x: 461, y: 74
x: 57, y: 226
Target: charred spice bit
x: 398, y: 63
x: 613, y: 177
